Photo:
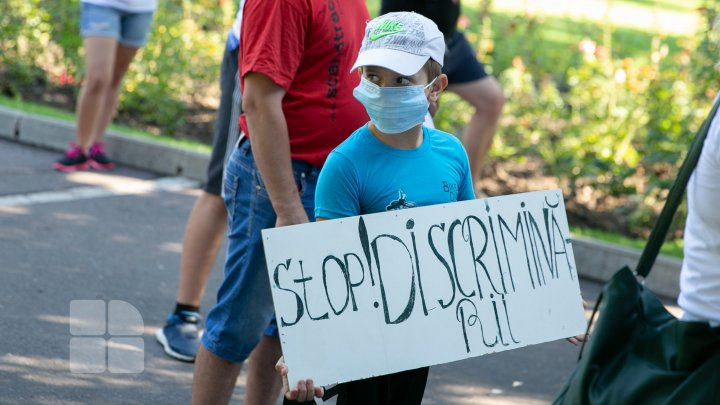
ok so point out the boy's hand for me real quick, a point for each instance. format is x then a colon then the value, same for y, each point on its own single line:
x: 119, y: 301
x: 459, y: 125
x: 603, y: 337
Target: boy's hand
x: 576, y: 340
x: 305, y: 390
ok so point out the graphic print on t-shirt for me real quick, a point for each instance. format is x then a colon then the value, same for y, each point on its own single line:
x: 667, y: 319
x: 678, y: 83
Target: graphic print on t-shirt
x: 400, y: 203
x: 450, y: 188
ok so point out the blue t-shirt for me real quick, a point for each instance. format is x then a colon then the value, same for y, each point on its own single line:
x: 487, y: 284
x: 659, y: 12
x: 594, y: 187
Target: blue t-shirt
x: 363, y: 175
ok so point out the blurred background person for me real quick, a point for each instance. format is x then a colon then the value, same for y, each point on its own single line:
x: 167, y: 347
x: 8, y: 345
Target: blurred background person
x: 700, y: 275
x: 207, y: 222
x: 112, y: 32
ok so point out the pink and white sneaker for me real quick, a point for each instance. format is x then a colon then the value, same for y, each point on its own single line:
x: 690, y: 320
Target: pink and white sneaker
x: 98, y: 159
x: 73, y: 160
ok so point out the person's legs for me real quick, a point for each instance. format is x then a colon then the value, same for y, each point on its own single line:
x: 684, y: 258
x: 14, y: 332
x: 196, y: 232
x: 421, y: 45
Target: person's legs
x: 262, y: 378
x: 123, y: 56
x: 263, y: 383
x: 133, y: 31
x: 204, y: 231
x: 213, y: 378
x: 243, y: 313
x: 110, y: 39
x: 106, y: 109
x: 203, y: 236
x: 467, y: 78
x: 486, y: 97
x: 244, y: 308
x: 206, y: 225
x: 207, y: 222
x: 100, y: 53
x: 99, y: 61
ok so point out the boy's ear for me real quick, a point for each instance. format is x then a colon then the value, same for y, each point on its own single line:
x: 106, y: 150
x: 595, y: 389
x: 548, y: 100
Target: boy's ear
x: 440, y: 84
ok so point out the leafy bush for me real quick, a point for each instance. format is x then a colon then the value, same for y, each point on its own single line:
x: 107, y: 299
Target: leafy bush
x: 608, y: 127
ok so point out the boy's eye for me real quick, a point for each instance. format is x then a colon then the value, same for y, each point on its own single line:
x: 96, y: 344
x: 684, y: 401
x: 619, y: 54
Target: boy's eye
x: 372, y: 78
x: 403, y: 81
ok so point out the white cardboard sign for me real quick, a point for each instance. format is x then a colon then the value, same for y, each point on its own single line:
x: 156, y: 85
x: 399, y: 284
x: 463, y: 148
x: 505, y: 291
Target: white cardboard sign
x: 381, y: 293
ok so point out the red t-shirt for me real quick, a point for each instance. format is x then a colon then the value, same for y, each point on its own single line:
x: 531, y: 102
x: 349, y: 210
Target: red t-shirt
x: 308, y: 47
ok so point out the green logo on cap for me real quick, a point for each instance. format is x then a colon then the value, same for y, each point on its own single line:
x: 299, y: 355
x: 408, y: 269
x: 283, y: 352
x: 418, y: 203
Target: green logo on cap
x: 385, y: 29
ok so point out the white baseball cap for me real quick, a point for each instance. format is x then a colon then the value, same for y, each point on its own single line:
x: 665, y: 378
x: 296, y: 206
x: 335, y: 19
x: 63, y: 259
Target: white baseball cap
x: 402, y: 42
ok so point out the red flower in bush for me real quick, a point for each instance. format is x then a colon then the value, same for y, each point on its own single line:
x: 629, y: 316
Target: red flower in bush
x: 463, y: 22
x: 65, y: 79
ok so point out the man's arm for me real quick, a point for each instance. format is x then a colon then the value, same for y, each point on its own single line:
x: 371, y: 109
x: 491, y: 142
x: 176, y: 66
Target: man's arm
x: 262, y: 105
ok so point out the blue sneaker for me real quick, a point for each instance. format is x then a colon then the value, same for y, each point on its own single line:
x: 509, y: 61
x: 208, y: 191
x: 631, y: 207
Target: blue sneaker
x: 180, y: 336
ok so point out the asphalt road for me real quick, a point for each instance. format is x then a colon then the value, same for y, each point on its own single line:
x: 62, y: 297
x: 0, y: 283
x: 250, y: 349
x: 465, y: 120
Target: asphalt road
x: 117, y: 236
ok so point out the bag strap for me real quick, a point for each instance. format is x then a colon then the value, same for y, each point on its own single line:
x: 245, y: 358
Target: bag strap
x: 660, y: 230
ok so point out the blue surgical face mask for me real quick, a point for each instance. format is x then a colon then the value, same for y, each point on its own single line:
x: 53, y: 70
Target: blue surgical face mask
x: 393, y: 110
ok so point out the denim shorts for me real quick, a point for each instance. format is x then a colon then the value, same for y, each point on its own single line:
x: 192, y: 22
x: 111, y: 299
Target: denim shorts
x: 461, y: 64
x: 128, y: 28
x: 244, y: 309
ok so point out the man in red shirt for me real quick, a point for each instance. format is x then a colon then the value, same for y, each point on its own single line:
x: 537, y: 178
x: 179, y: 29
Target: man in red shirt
x: 298, y: 106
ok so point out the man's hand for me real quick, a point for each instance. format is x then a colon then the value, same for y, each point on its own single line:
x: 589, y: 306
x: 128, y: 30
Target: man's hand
x: 305, y: 389
x: 296, y: 216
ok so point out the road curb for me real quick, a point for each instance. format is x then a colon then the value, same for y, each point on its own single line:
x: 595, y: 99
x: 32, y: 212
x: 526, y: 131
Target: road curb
x: 599, y: 260
x: 55, y: 134
x: 594, y: 259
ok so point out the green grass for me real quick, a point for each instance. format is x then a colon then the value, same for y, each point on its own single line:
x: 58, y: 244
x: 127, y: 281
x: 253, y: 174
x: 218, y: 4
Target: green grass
x: 626, y: 11
x: 672, y: 248
x: 687, y: 6
x: 46, y: 111
x: 554, y: 42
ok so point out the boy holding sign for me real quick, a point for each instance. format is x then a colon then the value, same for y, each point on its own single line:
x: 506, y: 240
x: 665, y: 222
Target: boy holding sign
x: 392, y: 163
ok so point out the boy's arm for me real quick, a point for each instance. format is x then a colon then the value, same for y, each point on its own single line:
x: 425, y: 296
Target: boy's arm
x: 576, y: 340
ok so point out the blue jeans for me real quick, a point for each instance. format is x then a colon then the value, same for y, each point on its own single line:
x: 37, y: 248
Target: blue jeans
x: 128, y: 28
x: 244, y: 309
